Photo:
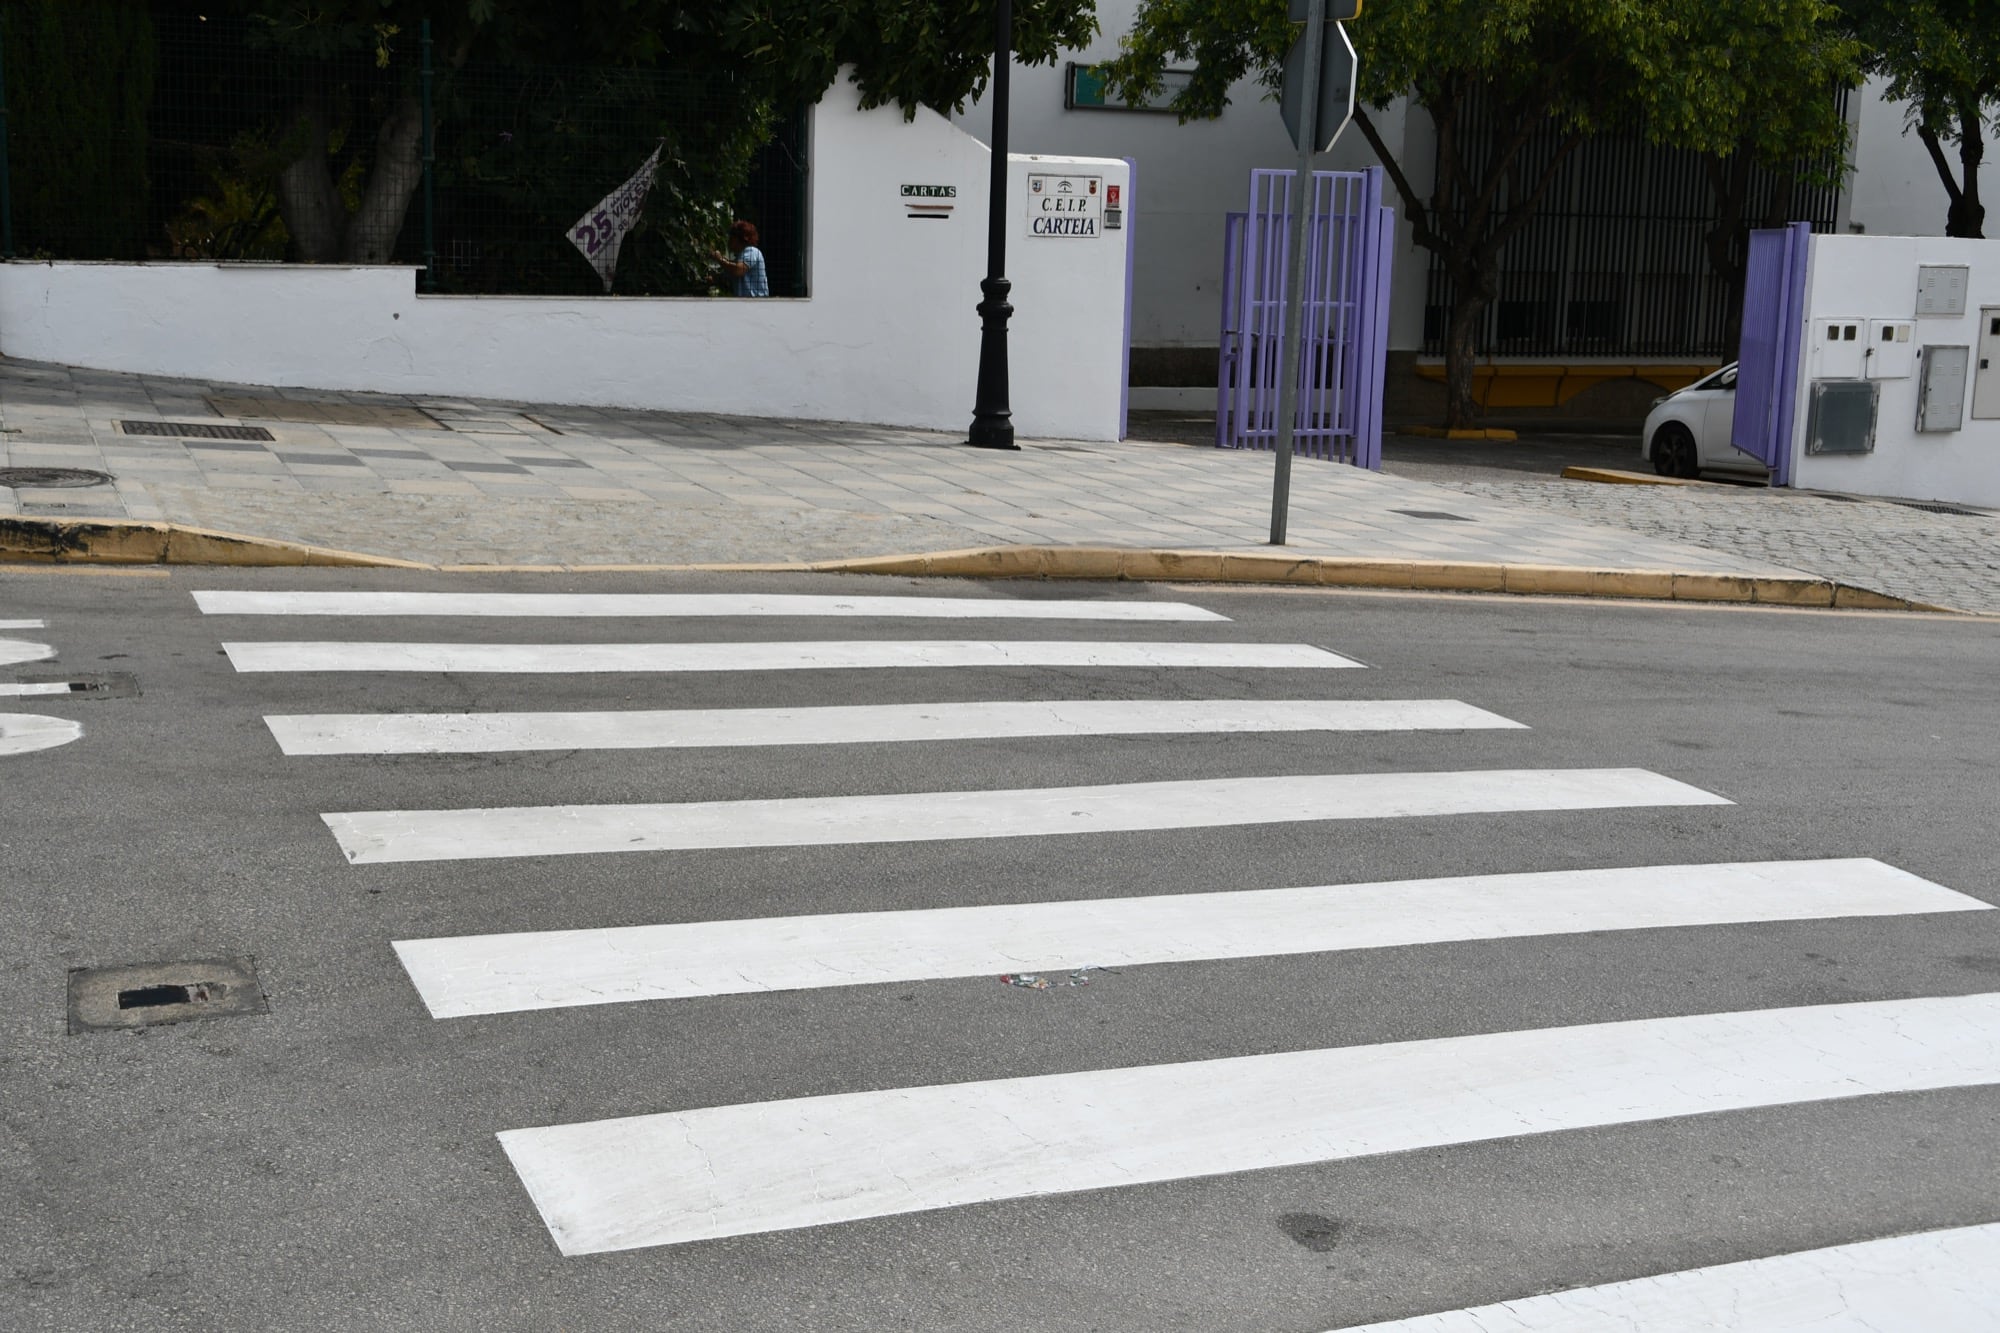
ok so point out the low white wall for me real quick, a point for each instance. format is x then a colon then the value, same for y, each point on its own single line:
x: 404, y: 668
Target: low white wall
x: 1875, y: 278
x: 889, y: 334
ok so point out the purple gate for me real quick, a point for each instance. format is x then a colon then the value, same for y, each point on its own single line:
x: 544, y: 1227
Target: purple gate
x: 1350, y: 238
x: 1767, y: 363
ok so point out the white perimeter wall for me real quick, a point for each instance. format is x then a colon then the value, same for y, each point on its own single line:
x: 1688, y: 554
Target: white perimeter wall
x: 889, y: 334
x: 1875, y: 277
x: 1190, y: 178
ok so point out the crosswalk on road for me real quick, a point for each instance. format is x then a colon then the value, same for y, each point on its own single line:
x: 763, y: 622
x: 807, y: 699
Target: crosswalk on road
x: 698, y: 1171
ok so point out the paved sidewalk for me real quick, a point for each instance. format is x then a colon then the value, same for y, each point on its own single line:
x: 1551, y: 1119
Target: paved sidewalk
x: 458, y: 482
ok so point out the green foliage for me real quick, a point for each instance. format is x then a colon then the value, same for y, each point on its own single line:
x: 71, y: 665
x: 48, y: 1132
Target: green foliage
x: 1942, y: 57
x: 79, y: 78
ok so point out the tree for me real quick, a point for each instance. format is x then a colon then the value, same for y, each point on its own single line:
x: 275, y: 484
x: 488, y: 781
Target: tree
x: 357, y: 109
x: 1513, y: 87
x: 1943, y: 58
x: 79, y: 77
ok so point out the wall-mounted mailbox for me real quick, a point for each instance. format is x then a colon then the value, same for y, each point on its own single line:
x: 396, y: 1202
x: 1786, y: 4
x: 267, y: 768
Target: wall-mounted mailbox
x: 1843, y: 417
x: 1892, y: 349
x: 1941, y: 290
x: 1941, y: 389
x: 1840, y: 345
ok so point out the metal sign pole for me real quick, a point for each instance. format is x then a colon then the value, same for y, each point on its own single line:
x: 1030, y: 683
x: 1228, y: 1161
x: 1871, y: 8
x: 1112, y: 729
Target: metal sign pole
x: 1295, y: 271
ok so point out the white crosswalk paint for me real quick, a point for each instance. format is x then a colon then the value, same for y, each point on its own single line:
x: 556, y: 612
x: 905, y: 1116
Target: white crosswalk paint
x: 23, y: 733
x: 568, y: 830
x: 1932, y: 1282
x: 22, y: 624
x: 20, y: 650
x: 283, y: 655
x: 571, y: 605
x: 487, y: 974
x: 15, y: 688
x: 768, y: 1166
x: 469, y: 733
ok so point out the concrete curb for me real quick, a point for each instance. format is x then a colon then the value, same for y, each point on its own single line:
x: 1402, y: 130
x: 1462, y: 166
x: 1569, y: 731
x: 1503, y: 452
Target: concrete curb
x: 119, y: 541
x: 44, y: 542
x: 1618, y: 477
x: 1087, y: 562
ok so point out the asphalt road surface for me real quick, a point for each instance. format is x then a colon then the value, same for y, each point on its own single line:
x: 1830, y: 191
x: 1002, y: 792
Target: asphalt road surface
x: 638, y: 965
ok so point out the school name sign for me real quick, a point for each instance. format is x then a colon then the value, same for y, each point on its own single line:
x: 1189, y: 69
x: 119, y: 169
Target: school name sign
x: 1065, y: 205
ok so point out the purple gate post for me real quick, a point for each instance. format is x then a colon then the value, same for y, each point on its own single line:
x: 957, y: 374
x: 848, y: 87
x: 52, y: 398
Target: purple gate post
x: 1345, y: 316
x: 1767, y: 363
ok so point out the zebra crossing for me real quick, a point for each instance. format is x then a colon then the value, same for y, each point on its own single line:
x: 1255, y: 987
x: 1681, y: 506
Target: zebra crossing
x: 677, y: 1175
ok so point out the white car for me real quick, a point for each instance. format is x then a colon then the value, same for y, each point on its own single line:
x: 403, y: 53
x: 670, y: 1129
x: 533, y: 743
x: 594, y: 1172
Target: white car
x: 1687, y: 433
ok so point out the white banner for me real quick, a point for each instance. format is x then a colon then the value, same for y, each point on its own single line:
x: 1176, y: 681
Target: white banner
x: 601, y: 231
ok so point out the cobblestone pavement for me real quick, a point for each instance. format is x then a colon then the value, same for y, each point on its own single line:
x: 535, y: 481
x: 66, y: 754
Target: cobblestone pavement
x: 1946, y: 559
x: 452, y: 481
x: 461, y: 482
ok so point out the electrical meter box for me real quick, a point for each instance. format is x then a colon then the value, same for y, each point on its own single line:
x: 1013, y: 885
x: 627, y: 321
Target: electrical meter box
x: 1941, y: 389
x: 1843, y: 417
x: 1941, y: 290
x: 1839, y: 347
x: 1892, y: 349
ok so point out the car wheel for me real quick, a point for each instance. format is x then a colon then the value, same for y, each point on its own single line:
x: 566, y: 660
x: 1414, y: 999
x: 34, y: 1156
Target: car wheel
x: 1674, y: 452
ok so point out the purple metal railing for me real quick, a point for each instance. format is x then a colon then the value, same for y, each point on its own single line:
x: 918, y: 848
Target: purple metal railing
x: 1767, y: 362
x: 1349, y: 238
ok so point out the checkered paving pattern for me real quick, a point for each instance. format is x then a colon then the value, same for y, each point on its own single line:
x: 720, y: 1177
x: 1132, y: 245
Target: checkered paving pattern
x: 484, y: 483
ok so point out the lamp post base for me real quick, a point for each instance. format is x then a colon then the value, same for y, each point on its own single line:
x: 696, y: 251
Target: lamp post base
x: 992, y: 419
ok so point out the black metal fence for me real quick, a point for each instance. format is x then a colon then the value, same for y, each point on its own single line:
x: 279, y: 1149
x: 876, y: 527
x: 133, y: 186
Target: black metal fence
x: 221, y: 139
x: 1618, y: 260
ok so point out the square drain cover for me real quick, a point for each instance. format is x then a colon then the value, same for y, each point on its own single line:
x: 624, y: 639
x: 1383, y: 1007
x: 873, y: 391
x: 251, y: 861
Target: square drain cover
x: 109, y: 999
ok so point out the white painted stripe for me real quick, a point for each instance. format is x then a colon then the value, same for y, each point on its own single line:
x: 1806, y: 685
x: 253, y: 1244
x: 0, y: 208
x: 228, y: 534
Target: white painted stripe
x: 23, y: 624
x: 21, y: 733
x: 19, y: 688
x: 20, y: 650
x: 768, y: 1166
x: 468, y: 733
x: 491, y: 974
x: 570, y: 605
x: 1932, y: 1282
x: 568, y: 830
x: 825, y: 656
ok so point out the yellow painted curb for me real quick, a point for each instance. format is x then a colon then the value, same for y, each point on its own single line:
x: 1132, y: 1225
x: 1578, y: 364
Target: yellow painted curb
x: 1616, y: 477
x: 113, y: 541
x: 1462, y: 433
x: 1059, y: 562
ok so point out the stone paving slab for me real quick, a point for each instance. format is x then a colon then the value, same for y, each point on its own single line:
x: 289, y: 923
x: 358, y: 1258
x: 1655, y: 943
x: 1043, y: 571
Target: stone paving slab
x: 501, y: 483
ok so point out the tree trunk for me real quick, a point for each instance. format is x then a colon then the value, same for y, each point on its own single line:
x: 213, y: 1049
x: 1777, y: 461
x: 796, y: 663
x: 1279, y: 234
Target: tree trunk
x: 308, y: 199
x: 1461, y: 355
x: 397, y: 172
x: 1968, y: 215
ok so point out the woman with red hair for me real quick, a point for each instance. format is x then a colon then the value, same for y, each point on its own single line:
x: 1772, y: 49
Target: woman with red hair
x: 745, y: 263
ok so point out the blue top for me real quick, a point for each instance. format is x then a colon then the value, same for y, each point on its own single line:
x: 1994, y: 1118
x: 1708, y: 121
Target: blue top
x: 755, y: 281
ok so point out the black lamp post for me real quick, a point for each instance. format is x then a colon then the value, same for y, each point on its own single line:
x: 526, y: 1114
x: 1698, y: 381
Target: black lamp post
x: 992, y: 420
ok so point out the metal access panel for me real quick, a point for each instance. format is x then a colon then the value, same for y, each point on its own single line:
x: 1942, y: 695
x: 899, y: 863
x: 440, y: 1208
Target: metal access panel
x: 1843, y: 417
x: 1986, y: 380
x: 1840, y: 347
x: 1892, y: 349
x: 1941, y: 388
x: 1941, y: 290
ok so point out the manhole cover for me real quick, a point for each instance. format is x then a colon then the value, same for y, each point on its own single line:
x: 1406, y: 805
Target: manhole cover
x: 1431, y: 513
x: 21, y: 478
x: 108, y: 999
x: 195, y: 430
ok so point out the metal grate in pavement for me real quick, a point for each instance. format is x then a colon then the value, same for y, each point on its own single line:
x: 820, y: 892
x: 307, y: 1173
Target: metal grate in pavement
x: 195, y: 430
x: 1940, y: 509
